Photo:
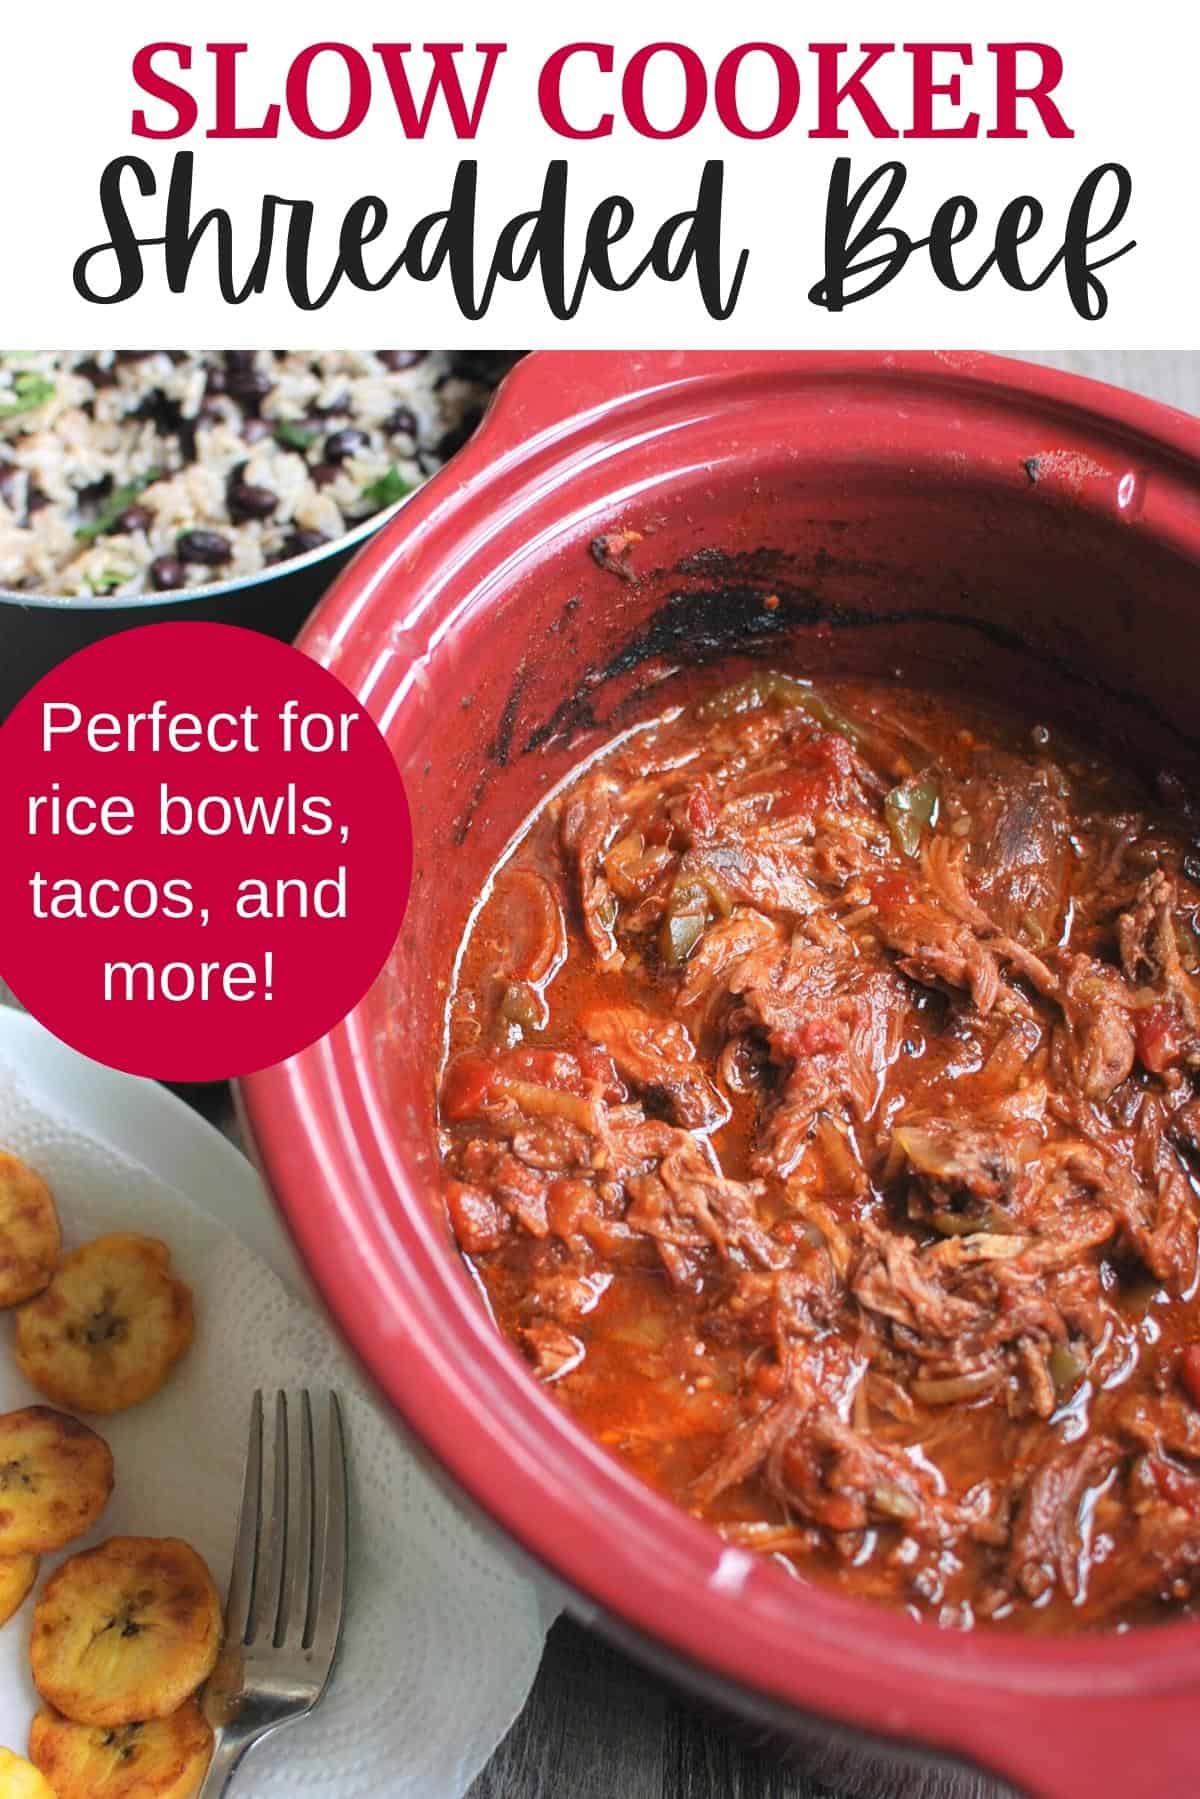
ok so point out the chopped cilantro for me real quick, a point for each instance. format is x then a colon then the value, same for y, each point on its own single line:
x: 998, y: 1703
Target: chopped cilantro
x: 293, y: 436
x: 387, y: 490
x: 108, y: 580
x: 28, y: 390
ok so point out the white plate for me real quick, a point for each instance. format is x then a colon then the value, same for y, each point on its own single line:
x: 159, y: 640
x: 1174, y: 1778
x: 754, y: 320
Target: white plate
x: 443, y: 1634
x: 153, y: 1126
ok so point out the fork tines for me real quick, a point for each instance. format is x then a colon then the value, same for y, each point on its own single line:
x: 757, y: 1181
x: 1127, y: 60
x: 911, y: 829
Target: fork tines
x: 287, y: 1590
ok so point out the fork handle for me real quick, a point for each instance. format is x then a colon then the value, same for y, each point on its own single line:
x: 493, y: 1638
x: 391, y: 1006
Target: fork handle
x: 227, y: 1756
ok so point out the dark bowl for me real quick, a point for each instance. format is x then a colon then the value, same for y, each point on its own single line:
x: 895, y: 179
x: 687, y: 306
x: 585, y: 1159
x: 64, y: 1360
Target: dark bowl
x: 37, y: 631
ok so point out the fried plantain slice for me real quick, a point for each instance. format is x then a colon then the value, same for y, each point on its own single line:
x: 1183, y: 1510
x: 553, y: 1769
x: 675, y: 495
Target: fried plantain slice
x: 17, y: 1575
x: 125, y: 1632
x: 55, y: 1478
x: 30, y: 1240
x: 110, y: 1326
x: 19, y: 1779
x: 164, y: 1759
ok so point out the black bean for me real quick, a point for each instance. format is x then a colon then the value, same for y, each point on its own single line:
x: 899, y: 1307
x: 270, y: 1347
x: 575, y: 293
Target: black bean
x: 35, y: 499
x: 254, y: 430
x: 167, y: 573
x: 249, y: 387
x: 132, y: 355
x: 300, y: 542
x: 134, y: 518
x: 325, y: 472
x: 91, y: 371
x: 403, y: 423
x: 165, y: 415
x: 208, y: 547
x: 401, y: 359
x: 239, y: 359
x: 215, y: 382
x: 248, y: 501
x: 252, y: 382
x: 345, y: 443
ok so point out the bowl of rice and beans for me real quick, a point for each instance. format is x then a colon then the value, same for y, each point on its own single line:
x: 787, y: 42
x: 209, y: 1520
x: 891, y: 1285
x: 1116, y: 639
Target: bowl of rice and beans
x: 230, y: 483
x: 136, y: 473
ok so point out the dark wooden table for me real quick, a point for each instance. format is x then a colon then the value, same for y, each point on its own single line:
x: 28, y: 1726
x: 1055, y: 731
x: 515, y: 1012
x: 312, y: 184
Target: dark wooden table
x: 597, y: 1726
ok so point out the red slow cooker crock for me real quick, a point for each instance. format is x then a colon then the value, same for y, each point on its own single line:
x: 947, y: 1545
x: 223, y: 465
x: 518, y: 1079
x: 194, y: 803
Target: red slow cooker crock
x: 955, y: 518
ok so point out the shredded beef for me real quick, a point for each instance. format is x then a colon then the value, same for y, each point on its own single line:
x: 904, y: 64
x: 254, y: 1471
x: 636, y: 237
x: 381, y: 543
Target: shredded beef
x: 688, y: 1207
x: 822, y: 1115
x: 587, y: 828
x: 657, y: 1057
x: 1018, y: 853
x: 553, y: 1350
x: 1048, y: 1535
x: 1097, y: 1035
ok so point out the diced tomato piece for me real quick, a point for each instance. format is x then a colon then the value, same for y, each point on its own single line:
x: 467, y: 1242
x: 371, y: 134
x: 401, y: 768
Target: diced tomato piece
x: 798, y: 796
x: 545, y: 1068
x: 1175, y: 1484
x: 476, y: 1219
x: 1156, y: 1032
x: 567, y: 1202
x: 472, y: 1082
x: 821, y: 778
x: 891, y: 888
x: 466, y: 1086
x: 700, y: 814
x: 1189, y: 1372
x: 596, y: 1064
x: 814, y: 1037
x: 825, y: 753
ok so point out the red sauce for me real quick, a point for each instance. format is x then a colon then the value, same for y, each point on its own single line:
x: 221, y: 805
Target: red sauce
x: 820, y: 1116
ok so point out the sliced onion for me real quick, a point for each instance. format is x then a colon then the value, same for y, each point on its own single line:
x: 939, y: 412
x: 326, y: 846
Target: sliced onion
x: 894, y: 1502
x: 956, y: 1386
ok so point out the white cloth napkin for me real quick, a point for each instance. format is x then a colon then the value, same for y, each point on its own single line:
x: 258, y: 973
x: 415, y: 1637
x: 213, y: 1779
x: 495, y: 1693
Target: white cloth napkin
x: 443, y: 1635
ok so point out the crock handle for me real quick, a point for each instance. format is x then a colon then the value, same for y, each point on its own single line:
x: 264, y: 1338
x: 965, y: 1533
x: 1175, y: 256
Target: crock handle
x: 1105, y: 1748
x: 530, y: 405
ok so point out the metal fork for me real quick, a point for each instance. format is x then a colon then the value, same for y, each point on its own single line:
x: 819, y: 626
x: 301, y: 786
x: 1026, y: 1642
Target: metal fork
x: 288, y: 1587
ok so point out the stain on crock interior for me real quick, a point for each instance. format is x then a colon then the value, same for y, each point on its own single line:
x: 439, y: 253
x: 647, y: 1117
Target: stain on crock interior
x: 721, y: 614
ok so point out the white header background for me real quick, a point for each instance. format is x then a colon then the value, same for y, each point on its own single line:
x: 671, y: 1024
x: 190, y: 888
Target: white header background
x: 1129, y: 92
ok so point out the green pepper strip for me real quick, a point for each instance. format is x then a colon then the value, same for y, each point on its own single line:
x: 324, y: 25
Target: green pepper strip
x: 115, y: 505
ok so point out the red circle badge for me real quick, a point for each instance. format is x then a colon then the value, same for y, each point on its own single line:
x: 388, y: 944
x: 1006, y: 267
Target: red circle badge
x: 207, y: 851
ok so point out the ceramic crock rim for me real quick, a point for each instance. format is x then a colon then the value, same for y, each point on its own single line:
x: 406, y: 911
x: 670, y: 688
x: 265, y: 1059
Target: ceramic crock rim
x: 912, y: 1682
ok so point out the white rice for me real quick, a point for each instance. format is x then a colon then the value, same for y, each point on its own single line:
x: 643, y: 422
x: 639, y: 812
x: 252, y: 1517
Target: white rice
x: 173, y: 434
